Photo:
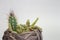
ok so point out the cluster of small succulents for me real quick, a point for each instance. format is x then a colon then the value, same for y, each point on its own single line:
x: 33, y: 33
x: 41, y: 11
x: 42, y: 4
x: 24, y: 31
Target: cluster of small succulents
x: 13, y: 26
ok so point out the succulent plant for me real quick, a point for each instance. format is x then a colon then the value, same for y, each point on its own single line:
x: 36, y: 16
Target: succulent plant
x: 34, y: 22
x: 28, y: 23
x: 19, y: 29
x: 12, y: 21
x: 22, y: 27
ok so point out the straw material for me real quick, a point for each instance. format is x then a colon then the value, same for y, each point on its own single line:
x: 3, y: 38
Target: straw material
x: 31, y: 35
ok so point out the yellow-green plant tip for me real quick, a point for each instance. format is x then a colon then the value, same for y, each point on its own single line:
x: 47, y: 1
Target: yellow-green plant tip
x: 28, y: 22
x: 34, y: 22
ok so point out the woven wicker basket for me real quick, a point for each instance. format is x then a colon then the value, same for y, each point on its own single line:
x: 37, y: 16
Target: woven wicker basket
x: 31, y: 35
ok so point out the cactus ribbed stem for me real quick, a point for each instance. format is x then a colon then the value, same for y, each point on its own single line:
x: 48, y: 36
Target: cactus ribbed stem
x: 12, y: 21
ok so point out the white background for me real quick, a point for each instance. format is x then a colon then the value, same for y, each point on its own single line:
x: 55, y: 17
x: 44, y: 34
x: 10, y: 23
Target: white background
x: 48, y: 12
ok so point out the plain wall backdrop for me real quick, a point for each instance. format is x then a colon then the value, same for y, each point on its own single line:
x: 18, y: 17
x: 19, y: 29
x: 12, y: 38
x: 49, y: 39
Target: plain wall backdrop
x: 48, y: 12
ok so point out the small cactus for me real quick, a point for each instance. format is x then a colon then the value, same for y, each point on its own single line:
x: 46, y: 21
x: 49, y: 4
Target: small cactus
x: 34, y: 22
x: 18, y: 29
x: 12, y: 21
x: 28, y: 23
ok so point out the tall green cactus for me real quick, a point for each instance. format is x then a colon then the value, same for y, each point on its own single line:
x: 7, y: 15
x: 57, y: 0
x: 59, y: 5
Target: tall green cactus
x: 12, y: 21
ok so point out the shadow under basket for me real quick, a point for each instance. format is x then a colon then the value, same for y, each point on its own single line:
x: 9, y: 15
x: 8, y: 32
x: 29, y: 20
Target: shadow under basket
x: 31, y: 35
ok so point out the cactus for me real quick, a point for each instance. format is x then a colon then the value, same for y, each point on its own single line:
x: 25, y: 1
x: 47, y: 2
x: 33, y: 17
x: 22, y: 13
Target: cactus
x: 34, y: 22
x: 18, y: 29
x: 12, y: 21
x: 28, y: 23
x: 32, y: 26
